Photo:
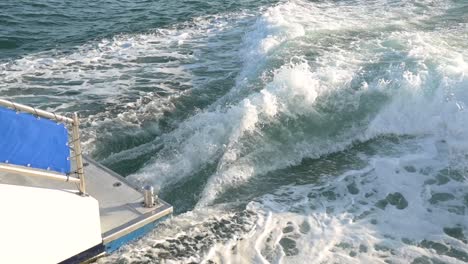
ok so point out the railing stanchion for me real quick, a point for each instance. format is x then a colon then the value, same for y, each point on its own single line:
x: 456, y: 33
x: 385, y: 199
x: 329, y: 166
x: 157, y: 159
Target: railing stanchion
x: 78, y: 154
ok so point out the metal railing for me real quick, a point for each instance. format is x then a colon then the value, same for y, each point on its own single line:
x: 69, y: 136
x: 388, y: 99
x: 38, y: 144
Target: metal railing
x: 75, y: 123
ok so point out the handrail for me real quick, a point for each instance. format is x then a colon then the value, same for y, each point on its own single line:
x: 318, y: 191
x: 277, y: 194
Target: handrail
x: 34, y: 111
x: 75, y: 123
x: 44, y: 174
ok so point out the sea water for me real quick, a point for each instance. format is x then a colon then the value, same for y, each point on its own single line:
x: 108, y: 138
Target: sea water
x: 281, y: 131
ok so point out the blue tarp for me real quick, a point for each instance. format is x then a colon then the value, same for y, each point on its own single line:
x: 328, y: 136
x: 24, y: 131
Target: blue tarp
x: 41, y: 143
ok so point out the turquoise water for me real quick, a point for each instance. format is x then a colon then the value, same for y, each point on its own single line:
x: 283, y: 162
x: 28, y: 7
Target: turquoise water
x: 281, y: 131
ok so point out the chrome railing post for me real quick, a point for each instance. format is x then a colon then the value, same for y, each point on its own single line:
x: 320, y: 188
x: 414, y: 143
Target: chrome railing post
x: 78, y: 153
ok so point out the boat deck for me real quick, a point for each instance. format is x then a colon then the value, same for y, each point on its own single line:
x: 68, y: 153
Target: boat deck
x: 123, y: 216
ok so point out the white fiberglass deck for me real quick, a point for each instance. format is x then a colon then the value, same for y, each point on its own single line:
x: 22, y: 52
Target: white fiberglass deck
x: 120, y: 204
x: 41, y: 225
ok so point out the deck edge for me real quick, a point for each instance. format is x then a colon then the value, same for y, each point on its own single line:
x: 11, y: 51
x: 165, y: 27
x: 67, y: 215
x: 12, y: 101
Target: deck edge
x: 137, y: 223
x: 134, y: 234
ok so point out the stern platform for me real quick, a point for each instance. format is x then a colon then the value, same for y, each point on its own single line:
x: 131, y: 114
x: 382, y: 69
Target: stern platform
x: 123, y: 216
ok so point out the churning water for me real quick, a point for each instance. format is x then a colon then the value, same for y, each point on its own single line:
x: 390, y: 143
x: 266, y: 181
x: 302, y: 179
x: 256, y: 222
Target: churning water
x: 281, y: 131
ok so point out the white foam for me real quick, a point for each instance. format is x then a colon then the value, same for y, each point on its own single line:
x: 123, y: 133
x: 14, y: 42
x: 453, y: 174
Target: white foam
x: 429, y: 102
x: 204, y: 137
x: 222, y: 135
x: 416, y: 81
x: 129, y: 79
x: 327, y: 221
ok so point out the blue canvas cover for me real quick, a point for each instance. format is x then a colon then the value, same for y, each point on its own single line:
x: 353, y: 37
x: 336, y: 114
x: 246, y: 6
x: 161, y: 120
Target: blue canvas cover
x: 26, y: 140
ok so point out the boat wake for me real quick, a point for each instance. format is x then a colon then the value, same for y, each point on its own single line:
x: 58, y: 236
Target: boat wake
x: 294, y: 132
x: 343, y: 133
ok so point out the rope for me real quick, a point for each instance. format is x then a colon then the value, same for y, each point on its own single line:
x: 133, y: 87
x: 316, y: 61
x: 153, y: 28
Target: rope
x: 74, y: 140
x: 76, y: 171
x: 76, y: 155
x: 55, y: 116
x: 35, y: 111
x: 14, y: 107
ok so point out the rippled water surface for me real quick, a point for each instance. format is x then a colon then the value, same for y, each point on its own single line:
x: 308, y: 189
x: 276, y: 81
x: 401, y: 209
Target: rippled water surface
x: 281, y: 131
